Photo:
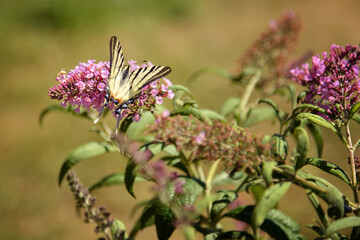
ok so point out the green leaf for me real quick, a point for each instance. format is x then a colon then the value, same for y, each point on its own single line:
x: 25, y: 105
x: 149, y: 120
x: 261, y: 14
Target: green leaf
x: 235, y: 235
x: 356, y: 118
x: 267, y: 171
x: 272, y: 104
x: 125, y: 124
x: 57, y: 108
x: 316, y: 133
x: 118, y: 230
x: 303, y: 144
x: 191, y: 111
x: 215, y: 70
x: 164, y: 221
x: 131, y: 172
x: 267, y: 202
x: 257, y: 190
x: 259, y: 114
x: 308, y: 106
x: 223, y: 199
x: 213, y: 115
x: 353, y: 110
x: 318, y: 120
x: 292, y: 92
x: 352, y: 221
x: 319, y: 210
x: 329, y: 193
x: 223, y: 178
x: 135, y: 130
x: 287, y: 225
x: 146, y: 219
x: 188, y: 232
x: 86, y: 151
x: 180, y: 88
x: 229, y: 106
x: 276, y: 224
x: 328, y: 167
x: 279, y: 147
x: 191, y: 190
x: 113, y: 179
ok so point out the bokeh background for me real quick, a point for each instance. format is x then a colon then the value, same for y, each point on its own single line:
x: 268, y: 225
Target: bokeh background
x: 38, y: 38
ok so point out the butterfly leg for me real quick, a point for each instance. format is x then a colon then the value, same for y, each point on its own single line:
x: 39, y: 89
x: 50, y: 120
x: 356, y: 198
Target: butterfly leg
x: 118, y: 113
x: 107, y: 96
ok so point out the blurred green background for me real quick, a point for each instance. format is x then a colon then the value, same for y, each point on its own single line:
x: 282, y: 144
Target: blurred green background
x: 38, y: 38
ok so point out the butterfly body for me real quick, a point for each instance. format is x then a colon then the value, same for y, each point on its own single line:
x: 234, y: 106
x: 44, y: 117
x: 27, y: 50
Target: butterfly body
x: 124, y: 85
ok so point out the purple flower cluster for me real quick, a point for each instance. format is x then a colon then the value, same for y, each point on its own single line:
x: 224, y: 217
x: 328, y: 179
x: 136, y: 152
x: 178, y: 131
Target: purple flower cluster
x: 239, y: 148
x: 270, y: 52
x: 85, y: 86
x: 332, y: 82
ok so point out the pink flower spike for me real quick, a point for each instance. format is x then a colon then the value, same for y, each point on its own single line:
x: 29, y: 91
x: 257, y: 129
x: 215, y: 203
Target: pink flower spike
x: 101, y: 87
x: 136, y: 117
x: 170, y: 94
x: 159, y: 100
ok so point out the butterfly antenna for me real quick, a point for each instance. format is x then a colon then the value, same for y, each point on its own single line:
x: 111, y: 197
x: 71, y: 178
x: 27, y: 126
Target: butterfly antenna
x: 117, y: 123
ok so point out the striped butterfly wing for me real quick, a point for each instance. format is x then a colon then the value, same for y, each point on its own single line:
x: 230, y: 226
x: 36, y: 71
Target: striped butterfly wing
x: 118, y: 82
x: 141, y: 77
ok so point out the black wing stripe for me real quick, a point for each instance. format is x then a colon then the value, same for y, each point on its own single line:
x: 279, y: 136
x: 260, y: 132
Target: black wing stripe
x: 163, y: 72
x: 137, y: 74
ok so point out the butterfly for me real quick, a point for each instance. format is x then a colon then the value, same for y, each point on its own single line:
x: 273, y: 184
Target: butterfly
x: 123, y: 85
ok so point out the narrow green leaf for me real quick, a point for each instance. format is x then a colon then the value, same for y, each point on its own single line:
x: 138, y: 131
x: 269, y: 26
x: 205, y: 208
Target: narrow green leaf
x: 356, y: 118
x: 329, y: 167
x: 229, y: 106
x: 57, y: 108
x: 235, y: 235
x: 318, y: 120
x: 279, y: 147
x: 180, y: 88
x: 146, y: 219
x: 191, y: 111
x: 223, y: 199
x: 188, y: 232
x: 135, y: 130
x: 303, y: 144
x: 319, y: 210
x: 307, y: 107
x: 272, y: 104
x: 292, y: 92
x: 164, y: 221
x: 354, y: 109
x: 125, y: 124
x: 86, y: 151
x: 267, y: 202
x: 131, y: 172
x: 316, y: 133
x: 276, y: 224
x: 259, y: 114
x: 257, y: 190
x: 215, y: 70
x: 113, y: 179
x: 213, y: 115
x: 267, y: 171
x: 352, y: 221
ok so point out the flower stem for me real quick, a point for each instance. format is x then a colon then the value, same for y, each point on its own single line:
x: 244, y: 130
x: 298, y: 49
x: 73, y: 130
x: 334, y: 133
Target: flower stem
x: 351, y: 150
x: 248, y: 91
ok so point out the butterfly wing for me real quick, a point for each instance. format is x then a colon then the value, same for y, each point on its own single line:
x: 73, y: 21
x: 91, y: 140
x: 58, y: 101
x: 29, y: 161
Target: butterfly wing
x: 141, y: 77
x: 118, y: 82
